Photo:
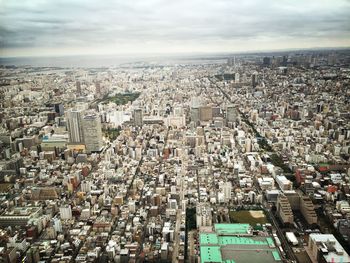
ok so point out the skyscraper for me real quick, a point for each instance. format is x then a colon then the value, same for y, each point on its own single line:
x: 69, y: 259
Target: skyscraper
x: 58, y: 107
x: 138, y: 117
x: 78, y: 85
x: 74, y: 126
x: 255, y: 79
x: 97, y: 88
x: 205, y: 113
x: 231, y: 113
x: 236, y: 77
x: 85, y: 130
x: 91, y: 125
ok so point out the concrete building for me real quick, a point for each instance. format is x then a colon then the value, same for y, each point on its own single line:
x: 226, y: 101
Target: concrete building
x: 66, y: 212
x: 19, y: 216
x: 203, y: 215
x: 308, y: 210
x: 92, y: 132
x: 206, y: 113
x: 195, y: 115
x: 324, y: 248
x: 227, y: 190
x: 300, y: 202
x: 284, y: 210
x: 231, y: 113
x: 78, y: 86
x: 138, y: 117
x: 74, y: 126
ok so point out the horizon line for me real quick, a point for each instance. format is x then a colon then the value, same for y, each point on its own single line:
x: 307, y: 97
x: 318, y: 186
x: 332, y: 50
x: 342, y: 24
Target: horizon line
x: 186, y: 53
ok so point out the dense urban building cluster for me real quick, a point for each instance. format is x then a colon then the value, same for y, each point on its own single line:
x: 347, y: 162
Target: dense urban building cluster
x: 240, y: 159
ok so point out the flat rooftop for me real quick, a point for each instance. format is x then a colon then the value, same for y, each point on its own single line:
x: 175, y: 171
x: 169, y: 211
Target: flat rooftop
x: 224, y: 247
x: 232, y: 229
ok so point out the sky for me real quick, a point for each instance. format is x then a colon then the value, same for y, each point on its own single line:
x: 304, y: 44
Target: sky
x: 96, y: 27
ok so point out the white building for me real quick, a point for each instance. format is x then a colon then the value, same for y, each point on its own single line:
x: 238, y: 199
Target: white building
x: 203, y: 215
x: 326, y: 248
x: 66, y: 212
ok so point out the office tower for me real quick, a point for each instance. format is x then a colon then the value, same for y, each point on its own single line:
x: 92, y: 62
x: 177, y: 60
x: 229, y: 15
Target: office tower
x: 58, y: 107
x: 266, y: 61
x: 284, y: 61
x: 74, y: 126
x: 57, y: 224
x: 227, y: 190
x: 203, y: 215
x: 206, y: 113
x: 231, y: 113
x: 138, y: 117
x: 231, y: 61
x: 248, y: 145
x: 331, y: 60
x: 255, y: 79
x: 66, y: 212
x: 236, y: 77
x: 216, y: 112
x: 284, y: 209
x: 195, y: 115
x: 92, y: 131
x: 78, y: 85
x: 98, y: 88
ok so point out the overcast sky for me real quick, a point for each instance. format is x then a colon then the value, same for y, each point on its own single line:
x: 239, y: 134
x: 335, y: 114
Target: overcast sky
x: 66, y: 27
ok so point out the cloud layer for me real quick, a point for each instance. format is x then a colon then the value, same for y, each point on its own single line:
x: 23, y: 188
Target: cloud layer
x: 37, y: 27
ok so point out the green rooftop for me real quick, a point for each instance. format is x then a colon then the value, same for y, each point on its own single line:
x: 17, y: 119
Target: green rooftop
x: 234, y: 240
x: 270, y: 242
x: 231, y: 229
x: 276, y: 255
x: 211, y: 254
x: 208, y: 239
x: 214, y: 239
x: 227, y: 245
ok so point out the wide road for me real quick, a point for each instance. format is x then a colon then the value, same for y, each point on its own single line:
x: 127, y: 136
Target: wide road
x: 177, y: 236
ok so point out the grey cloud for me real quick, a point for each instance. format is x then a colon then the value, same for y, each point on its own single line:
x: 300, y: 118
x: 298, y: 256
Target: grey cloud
x: 66, y: 23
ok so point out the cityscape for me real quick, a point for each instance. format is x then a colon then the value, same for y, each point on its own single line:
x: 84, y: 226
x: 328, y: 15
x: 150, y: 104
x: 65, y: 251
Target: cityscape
x: 196, y: 157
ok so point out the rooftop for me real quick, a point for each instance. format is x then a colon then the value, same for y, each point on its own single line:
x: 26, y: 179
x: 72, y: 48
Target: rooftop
x: 227, y: 246
x: 232, y: 229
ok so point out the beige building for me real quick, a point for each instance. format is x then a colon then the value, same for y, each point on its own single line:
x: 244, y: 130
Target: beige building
x: 206, y: 113
x: 284, y: 209
x: 308, y: 210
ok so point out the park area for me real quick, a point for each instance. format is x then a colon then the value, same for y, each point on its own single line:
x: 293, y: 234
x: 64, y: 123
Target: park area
x: 252, y: 217
x: 123, y: 98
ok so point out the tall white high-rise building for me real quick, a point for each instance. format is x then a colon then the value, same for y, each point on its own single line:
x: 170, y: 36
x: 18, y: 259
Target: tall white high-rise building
x: 92, y: 133
x: 227, y: 190
x: 248, y: 145
x: 66, y: 212
x: 57, y: 225
x: 236, y: 77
